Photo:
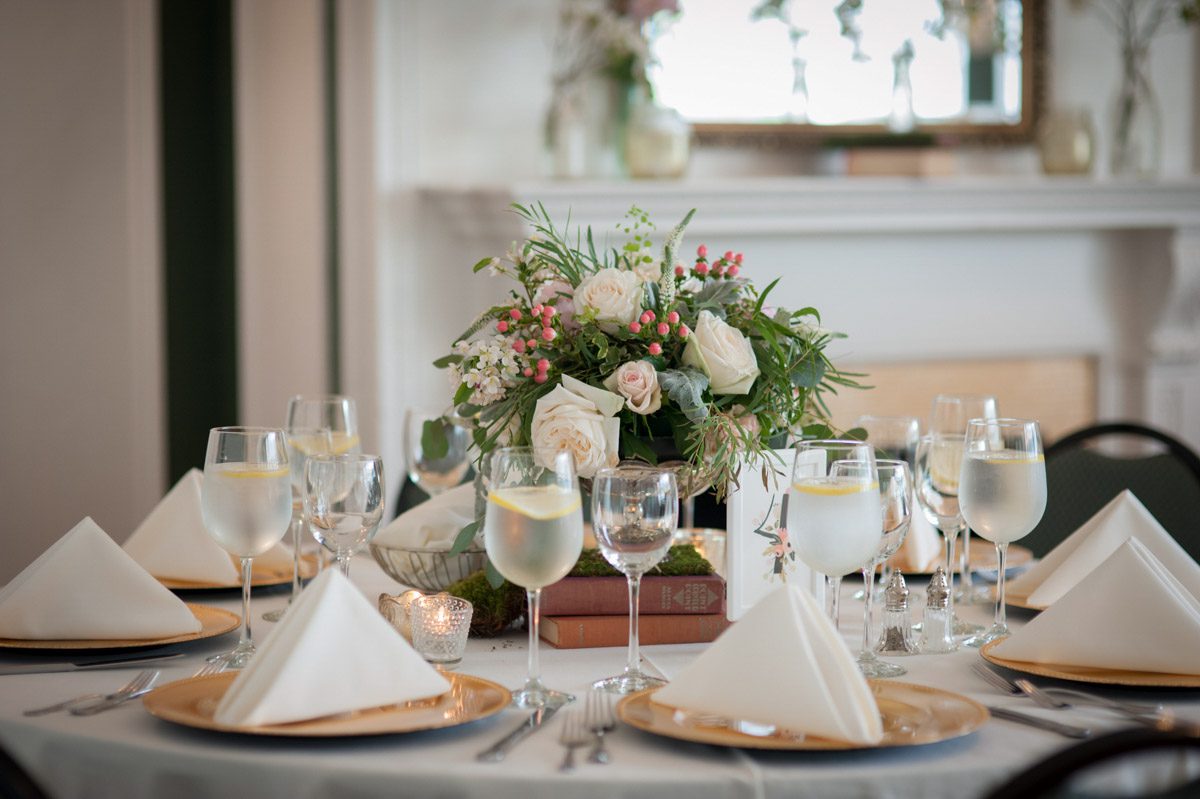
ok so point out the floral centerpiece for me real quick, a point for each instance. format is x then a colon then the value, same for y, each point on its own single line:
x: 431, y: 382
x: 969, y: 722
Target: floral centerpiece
x: 628, y: 353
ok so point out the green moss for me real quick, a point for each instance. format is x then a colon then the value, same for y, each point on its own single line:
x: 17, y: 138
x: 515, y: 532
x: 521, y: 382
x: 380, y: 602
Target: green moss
x: 495, y: 608
x: 682, y: 559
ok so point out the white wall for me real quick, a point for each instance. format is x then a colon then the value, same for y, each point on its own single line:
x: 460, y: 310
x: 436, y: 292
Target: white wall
x: 81, y: 406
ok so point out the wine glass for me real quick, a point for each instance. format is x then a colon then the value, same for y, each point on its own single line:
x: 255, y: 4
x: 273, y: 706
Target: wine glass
x: 302, y: 443
x: 1003, y: 493
x: 333, y: 412
x: 634, y: 514
x: 246, y: 503
x: 436, y: 450
x: 533, y: 533
x: 893, y: 437
x: 834, y: 519
x: 343, y: 502
x: 895, y: 493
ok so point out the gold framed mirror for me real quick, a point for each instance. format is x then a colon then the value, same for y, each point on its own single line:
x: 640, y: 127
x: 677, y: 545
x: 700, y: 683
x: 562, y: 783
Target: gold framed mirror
x: 872, y: 71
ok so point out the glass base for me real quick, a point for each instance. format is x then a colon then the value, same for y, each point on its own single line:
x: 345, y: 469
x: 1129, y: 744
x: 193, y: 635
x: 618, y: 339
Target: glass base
x: 966, y: 628
x: 628, y: 683
x: 239, y: 658
x: 540, y: 696
x: 276, y: 615
x: 978, y: 595
x: 993, y: 633
x: 874, y: 667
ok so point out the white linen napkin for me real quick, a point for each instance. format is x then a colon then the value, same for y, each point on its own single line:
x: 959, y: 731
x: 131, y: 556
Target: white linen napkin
x: 922, y: 548
x: 1129, y: 613
x: 331, y: 653
x: 85, y: 586
x: 816, y: 686
x: 172, y: 542
x: 1124, y: 517
x: 434, y: 523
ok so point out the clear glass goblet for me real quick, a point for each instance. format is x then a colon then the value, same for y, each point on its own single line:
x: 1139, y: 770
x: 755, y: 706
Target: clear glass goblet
x: 896, y: 438
x: 343, y: 502
x: 436, y: 450
x: 634, y: 515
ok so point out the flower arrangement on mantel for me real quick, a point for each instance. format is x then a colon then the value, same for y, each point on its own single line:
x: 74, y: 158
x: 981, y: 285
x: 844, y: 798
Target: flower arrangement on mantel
x: 626, y: 354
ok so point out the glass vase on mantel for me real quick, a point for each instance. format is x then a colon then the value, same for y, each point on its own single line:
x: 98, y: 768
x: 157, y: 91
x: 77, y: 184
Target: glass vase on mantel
x: 1137, y: 119
x: 585, y: 129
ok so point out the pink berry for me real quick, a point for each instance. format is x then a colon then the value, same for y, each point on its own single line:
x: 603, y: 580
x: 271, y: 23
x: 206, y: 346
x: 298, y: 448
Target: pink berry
x: 548, y: 312
x: 502, y: 326
x: 702, y: 251
x: 540, y: 378
x: 635, y: 327
x: 652, y: 315
x: 701, y: 268
x: 548, y: 333
x: 728, y: 256
x: 679, y: 270
x: 514, y: 313
x: 527, y: 372
x: 718, y: 270
x: 536, y: 310
x: 543, y: 365
x: 518, y: 345
x: 645, y: 318
x: 737, y: 259
x: 732, y: 271
x: 531, y: 343
x: 655, y: 348
x: 663, y: 328
x: 684, y: 331
x: 673, y: 317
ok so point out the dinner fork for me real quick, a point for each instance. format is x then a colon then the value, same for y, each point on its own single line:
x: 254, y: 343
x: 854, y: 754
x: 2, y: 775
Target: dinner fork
x: 573, y: 735
x: 599, y: 717
x: 135, y: 688
x: 132, y: 685
x: 1045, y: 697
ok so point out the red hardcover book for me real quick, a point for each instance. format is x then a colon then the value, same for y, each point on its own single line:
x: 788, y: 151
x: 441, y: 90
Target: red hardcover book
x: 609, y: 596
x: 584, y: 632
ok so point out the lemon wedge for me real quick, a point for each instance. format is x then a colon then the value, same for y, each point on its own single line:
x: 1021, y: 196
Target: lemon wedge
x: 833, y: 487
x: 542, y: 503
x: 250, y: 472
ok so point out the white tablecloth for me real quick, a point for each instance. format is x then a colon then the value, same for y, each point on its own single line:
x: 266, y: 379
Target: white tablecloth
x: 127, y: 753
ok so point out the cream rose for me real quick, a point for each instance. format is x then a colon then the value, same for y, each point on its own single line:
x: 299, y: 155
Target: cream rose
x: 613, y: 295
x: 637, y: 382
x: 579, y: 418
x: 723, y: 353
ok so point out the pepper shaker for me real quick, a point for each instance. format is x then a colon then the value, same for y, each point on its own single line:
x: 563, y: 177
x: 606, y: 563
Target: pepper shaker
x: 937, y: 626
x: 897, y: 637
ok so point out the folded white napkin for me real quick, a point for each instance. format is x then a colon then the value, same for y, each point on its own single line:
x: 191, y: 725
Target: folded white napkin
x: 85, y: 586
x: 922, y: 548
x: 331, y: 653
x: 815, y: 686
x: 1128, y: 613
x: 172, y: 542
x: 434, y: 523
x: 1124, y: 517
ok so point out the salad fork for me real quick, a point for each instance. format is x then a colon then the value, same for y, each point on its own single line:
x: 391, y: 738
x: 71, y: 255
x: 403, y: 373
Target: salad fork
x: 600, y: 719
x: 133, y: 685
x: 142, y: 684
x: 572, y: 736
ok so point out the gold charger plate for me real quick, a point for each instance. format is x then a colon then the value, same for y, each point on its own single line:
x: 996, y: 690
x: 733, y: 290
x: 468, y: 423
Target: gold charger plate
x: 1138, y: 679
x: 213, y: 622
x: 913, y: 715
x: 192, y: 702
x: 983, y: 558
x: 260, y: 577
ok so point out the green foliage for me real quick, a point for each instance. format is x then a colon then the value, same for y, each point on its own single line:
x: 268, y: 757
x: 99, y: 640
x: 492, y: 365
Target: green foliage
x: 495, y: 607
x: 681, y: 559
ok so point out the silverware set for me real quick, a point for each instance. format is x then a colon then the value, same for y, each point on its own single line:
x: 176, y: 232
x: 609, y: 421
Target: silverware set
x: 588, y: 726
x: 91, y: 704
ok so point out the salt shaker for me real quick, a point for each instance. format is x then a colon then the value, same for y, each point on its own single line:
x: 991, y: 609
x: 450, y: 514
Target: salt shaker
x: 897, y: 637
x: 937, y: 626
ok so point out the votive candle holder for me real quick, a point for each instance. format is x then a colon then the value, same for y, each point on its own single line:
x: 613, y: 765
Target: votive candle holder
x: 440, y: 623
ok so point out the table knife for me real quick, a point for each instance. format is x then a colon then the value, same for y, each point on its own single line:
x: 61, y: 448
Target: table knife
x: 499, y: 750
x: 127, y: 661
x: 1069, y: 730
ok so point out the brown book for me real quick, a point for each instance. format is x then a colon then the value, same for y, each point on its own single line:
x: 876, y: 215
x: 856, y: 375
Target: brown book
x: 585, y: 632
x: 609, y: 596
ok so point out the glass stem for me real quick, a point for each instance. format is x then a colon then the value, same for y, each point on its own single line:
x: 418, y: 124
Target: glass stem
x: 951, y: 537
x: 244, y: 641
x: 343, y: 561
x: 297, y: 523
x: 635, y: 658
x: 833, y: 587
x: 534, y: 596
x: 964, y: 564
x: 1001, y: 623
x: 868, y: 574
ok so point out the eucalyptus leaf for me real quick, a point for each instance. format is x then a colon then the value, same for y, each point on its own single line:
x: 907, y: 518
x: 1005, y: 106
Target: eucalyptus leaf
x: 686, y: 387
x: 435, y: 444
x: 464, y: 538
x: 446, y: 360
x: 809, y: 372
x: 495, y: 579
x: 481, y: 264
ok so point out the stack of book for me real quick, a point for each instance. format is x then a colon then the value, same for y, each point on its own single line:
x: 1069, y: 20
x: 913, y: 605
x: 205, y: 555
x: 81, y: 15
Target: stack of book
x: 590, y: 608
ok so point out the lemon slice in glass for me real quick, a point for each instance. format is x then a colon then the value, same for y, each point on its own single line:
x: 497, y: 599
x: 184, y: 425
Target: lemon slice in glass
x: 542, y: 503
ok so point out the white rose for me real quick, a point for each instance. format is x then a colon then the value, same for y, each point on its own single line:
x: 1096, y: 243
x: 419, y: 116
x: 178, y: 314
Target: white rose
x: 579, y: 418
x: 723, y: 353
x: 637, y: 382
x: 648, y: 271
x: 614, y: 295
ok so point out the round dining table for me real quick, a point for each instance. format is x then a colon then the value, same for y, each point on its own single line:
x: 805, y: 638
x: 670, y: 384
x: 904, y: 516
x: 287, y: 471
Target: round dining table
x: 128, y: 753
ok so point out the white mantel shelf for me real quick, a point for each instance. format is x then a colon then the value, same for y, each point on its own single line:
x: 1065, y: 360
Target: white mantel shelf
x: 799, y: 206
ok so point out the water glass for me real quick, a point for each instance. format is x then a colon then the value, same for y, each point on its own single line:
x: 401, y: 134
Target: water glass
x: 533, y: 533
x: 895, y: 438
x: 246, y: 503
x: 436, y: 450
x: 634, y: 515
x: 343, y: 502
x: 1003, y: 493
